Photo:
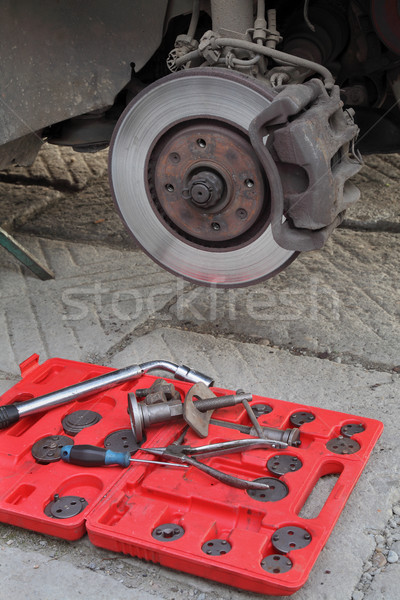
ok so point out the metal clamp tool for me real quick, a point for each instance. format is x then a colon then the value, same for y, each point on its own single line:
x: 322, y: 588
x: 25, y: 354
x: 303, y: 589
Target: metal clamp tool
x: 196, y: 414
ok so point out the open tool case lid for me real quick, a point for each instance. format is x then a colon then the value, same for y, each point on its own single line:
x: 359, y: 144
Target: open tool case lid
x: 183, y: 518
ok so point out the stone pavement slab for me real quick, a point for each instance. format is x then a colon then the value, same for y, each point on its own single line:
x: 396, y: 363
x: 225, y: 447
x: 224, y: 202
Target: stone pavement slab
x: 342, y: 303
x: 60, y: 167
x: 34, y: 575
x: 98, y: 297
x: 379, y: 206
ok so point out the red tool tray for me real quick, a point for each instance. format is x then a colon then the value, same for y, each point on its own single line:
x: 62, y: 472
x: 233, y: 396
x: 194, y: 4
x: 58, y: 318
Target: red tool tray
x: 225, y: 533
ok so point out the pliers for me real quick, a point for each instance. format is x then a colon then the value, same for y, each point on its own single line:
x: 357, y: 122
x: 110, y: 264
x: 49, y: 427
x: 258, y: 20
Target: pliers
x: 184, y: 454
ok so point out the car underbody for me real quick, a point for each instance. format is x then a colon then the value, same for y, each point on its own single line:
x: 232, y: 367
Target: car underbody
x: 234, y: 126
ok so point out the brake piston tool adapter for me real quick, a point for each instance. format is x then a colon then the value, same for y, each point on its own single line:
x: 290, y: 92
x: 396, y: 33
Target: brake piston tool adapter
x: 11, y: 413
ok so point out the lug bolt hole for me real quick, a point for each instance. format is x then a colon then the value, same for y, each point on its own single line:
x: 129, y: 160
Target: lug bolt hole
x: 202, y: 143
x: 249, y: 183
x: 169, y: 187
x: 174, y: 157
x: 215, y: 226
x: 241, y: 213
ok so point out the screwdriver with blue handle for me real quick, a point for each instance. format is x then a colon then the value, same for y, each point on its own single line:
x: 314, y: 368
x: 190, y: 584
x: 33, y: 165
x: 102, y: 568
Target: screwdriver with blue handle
x: 93, y: 456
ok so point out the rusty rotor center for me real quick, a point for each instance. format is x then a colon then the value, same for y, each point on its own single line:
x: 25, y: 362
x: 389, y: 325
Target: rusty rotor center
x: 206, y: 183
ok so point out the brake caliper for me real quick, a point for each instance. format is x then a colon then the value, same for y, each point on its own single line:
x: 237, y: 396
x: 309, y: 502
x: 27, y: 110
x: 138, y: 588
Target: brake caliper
x: 305, y: 142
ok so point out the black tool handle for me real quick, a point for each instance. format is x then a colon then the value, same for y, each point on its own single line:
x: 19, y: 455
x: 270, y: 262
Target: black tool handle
x: 8, y: 415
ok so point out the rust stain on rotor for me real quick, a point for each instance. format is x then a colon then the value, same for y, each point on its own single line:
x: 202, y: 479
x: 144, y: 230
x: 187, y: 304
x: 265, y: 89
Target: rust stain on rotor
x: 209, y: 184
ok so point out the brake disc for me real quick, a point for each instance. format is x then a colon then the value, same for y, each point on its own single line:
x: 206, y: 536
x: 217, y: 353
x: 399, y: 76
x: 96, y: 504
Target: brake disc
x: 188, y: 183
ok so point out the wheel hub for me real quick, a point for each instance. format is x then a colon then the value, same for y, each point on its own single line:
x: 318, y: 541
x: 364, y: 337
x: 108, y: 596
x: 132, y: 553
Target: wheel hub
x: 207, y: 184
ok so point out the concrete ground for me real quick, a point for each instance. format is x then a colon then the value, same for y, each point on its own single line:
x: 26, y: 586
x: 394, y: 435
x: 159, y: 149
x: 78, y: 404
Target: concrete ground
x: 325, y: 333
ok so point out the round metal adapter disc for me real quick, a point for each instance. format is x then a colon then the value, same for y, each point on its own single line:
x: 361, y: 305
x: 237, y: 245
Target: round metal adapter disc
x: 290, y: 538
x: 78, y: 420
x: 48, y: 449
x: 216, y: 547
x: 65, y: 507
x: 280, y: 464
x: 276, y: 563
x: 168, y: 532
x: 136, y: 418
x: 122, y: 440
x: 277, y: 490
x: 343, y: 445
x: 230, y: 100
x: 351, y: 429
x: 261, y: 409
x: 300, y: 418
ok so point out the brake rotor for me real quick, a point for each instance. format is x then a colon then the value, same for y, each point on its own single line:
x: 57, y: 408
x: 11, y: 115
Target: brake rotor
x: 187, y: 182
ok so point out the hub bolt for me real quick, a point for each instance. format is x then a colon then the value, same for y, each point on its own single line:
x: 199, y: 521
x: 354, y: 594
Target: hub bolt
x: 241, y: 213
x: 205, y: 189
x: 200, y: 193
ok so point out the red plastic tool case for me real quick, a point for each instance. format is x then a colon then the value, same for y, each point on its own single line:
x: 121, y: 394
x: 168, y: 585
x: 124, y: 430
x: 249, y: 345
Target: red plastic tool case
x: 126, y: 505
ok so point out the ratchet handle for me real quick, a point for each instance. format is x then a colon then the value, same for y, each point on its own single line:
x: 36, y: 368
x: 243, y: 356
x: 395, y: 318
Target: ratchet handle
x: 8, y: 415
x: 93, y: 456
